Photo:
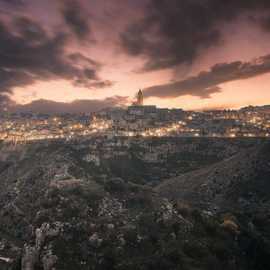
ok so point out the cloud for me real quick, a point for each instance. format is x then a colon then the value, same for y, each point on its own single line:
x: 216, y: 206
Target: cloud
x: 176, y: 32
x: 265, y: 22
x: 14, y: 2
x: 78, y: 106
x: 76, y: 19
x: 29, y: 54
x: 208, y: 82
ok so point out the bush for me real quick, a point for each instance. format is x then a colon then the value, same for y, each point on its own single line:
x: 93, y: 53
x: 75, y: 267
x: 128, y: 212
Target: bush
x: 230, y: 226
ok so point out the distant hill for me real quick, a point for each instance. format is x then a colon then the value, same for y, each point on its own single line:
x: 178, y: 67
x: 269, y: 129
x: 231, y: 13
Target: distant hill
x: 74, y: 107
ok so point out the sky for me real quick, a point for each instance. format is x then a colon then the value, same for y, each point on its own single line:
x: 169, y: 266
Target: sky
x: 85, y: 55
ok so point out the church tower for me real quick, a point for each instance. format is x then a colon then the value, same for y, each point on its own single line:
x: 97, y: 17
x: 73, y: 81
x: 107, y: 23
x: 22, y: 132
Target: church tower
x: 140, y: 98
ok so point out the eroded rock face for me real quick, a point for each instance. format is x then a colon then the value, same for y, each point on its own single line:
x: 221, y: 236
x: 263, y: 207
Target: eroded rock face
x: 48, y: 260
x: 40, y: 254
x: 29, y: 258
x: 41, y: 236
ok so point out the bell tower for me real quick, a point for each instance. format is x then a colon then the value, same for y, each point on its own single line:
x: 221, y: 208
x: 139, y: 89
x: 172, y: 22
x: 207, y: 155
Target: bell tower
x: 140, y: 98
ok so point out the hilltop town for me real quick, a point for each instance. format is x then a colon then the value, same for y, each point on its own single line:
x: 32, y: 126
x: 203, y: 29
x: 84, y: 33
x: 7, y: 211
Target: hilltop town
x: 137, y: 120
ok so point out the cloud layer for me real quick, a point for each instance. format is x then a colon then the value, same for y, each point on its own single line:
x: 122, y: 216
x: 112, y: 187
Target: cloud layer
x: 176, y: 32
x: 29, y: 54
x: 208, y: 82
x: 76, y: 19
x: 77, y: 42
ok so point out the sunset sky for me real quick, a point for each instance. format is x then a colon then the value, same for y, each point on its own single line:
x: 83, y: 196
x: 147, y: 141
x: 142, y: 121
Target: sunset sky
x: 189, y: 54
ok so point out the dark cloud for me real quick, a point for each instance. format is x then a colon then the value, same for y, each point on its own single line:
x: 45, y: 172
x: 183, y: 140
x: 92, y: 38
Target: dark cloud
x: 78, y: 58
x: 207, y: 83
x: 175, y: 32
x: 29, y: 54
x: 29, y: 29
x: 14, y: 2
x: 265, y: 22
x: 78, y: 106
x: 76, y: 18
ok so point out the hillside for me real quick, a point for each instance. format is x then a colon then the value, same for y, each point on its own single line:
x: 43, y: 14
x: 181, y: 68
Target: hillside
x: 60, y: 212
x: 239, y: 182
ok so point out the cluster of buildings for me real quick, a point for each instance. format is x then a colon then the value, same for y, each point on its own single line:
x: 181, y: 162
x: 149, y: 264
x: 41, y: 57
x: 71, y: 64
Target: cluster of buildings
x: 138, y: 120
x: 19, y: 128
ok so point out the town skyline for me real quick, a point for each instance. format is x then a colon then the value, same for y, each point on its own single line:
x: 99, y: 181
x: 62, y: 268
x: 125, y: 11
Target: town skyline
x: 94, y: 106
